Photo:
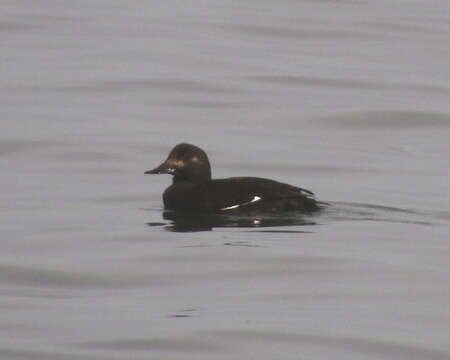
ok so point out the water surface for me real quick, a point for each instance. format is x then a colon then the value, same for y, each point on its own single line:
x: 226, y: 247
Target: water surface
x: 348, y: 99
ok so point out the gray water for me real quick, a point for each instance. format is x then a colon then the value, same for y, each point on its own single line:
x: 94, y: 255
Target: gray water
x: 349, y: 99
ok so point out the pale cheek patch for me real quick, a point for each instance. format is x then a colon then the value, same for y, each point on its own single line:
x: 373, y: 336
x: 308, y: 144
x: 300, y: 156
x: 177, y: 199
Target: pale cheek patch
x: 255, y: 199
x: 174, y: 164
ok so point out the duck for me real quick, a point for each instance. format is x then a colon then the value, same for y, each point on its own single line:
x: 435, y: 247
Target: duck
x: 194, y: 190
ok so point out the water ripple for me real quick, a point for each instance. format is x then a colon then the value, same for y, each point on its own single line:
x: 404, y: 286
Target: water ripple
x: 177, y: 344
x: 166, y: 84
x: 41, y: 277
x: 299, y: 80
x: 390, y: 120
x: 290, y: 33
x: 351, y: 344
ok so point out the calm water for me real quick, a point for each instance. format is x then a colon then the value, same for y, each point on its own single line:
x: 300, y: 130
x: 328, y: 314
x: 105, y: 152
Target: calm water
x: 347, y: 98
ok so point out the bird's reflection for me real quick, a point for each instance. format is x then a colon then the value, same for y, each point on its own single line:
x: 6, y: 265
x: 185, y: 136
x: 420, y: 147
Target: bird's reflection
x: 267, y: 222
x: 185, y: 222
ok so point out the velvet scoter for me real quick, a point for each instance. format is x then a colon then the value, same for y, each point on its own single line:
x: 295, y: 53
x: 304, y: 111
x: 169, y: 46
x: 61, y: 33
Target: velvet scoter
x: 193, y: 189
